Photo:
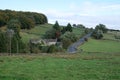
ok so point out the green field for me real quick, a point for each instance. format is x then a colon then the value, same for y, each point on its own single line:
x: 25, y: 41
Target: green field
x: 109, y: 46
x: 85, y: 66
x: 78, y: 31
x: 36, y: 32
x: 40, y: 30
x: 110, y: 35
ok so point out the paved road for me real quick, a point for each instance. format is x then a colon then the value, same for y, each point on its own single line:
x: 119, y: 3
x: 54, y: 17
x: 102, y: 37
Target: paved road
x: 73, y: 48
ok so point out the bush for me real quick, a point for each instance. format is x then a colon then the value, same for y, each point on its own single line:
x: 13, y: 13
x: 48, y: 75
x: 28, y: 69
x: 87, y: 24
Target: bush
x: 67, y: 39
x: 97, y: 34
x: 86, y: 39
x: 117, y: 36
x: 52, y: 48
x: 44, y: 49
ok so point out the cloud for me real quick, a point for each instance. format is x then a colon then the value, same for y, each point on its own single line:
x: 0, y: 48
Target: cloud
x: 88, y: 14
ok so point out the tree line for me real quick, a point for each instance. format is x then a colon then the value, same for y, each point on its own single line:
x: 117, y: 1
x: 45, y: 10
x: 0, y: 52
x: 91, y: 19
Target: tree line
x: 27, y: 19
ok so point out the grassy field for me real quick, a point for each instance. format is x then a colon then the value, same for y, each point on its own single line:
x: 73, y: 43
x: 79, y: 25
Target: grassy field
x: 40, y: 30
x: 36, y: 32
x: 78, y: 31
x: 110, y: 35
x: 109, y: 46
x: 85, y: 66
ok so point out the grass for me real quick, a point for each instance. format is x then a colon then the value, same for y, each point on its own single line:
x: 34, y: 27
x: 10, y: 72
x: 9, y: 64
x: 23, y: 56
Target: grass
x: 26, y: 37
x: 101, y: 46
x: 36, y: 32
x: 40, y: 30
x: 85, y: 66
x: 110, y: 35
x: 78, y: 31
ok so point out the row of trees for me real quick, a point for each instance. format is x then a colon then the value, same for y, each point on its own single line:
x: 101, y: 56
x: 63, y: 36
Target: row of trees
x: 27, y: 19
x: 10, y: 40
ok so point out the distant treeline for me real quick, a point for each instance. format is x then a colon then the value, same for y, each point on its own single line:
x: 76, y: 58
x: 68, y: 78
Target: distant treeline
x: 27, y: 19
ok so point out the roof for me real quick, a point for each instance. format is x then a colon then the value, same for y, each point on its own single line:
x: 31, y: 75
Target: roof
x: 50, y: 40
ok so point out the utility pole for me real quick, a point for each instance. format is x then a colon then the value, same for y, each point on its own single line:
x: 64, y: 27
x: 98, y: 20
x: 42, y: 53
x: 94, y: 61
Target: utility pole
x: 10, y: 34
x: 17, y: 47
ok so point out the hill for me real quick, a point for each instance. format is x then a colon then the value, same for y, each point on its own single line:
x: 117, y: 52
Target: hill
x: 27, y: 19
x: 36, y: 32
x: 109, y: 44
x: 39, y: 30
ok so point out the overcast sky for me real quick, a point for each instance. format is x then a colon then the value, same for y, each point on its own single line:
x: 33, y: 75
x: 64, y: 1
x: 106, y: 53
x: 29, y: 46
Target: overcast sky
x: 86, y: 12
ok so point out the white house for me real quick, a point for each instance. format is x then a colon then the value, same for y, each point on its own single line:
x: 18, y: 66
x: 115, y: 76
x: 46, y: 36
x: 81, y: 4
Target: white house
x: 45, y: 42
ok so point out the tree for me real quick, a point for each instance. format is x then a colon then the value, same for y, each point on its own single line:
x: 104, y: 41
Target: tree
x: 87, y: 30
x: 13, y: 30
x: 2, y: 21
x: 26, y: 23
x: 74, y: 25
x: 14, y: 25
x: 3, y: 43
x: 63, y: 30
x: 27, y: 19
x: 56, y: 26
x: 69, y: 27
x: 50, y: 34
x: 68, y: 38
x: 97, y: 34
x: 80, y: 26
x: 101, y: 27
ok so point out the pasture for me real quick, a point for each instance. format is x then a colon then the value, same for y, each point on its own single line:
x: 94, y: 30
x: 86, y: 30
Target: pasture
x: 107, y: 46
x: 36, y: 32
x: 39, y: 31
x: 86, y: 66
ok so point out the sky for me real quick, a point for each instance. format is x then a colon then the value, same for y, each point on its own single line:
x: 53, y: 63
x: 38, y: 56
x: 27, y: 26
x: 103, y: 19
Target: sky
x: 87, y: 12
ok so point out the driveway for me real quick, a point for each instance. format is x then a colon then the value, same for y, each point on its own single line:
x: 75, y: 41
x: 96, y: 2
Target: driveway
x: 73, y: 48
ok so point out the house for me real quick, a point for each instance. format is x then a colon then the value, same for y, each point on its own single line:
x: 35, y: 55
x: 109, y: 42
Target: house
x: 44, y: 42
x: 35, y: 41
x: 49, y: 42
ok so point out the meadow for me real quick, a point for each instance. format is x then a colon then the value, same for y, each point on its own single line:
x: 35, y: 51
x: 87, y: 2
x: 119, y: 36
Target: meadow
x: 39, y: 30
x: 34, y: 33
x: 110, y: 35
x: 108, y: 46
x: 80, y: 66
x: 100, y: 60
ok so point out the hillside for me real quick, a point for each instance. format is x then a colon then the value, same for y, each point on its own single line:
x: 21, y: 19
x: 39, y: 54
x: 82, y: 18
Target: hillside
x: 36, y: 32
x: 108, y: 44
x: 27, y: 19
x: 39, y: 30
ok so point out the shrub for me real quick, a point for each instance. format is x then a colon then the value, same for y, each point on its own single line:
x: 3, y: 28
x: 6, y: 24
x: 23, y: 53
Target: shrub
x: 67, y: 39
x: 44, y: 49
x: 86, y: 39
x: 97, y: 34
x: 117, y: 36
x: 52, y: 48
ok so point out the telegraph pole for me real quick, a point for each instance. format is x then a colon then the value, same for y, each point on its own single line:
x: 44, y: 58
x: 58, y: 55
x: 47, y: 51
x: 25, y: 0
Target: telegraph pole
x: 10, y: 34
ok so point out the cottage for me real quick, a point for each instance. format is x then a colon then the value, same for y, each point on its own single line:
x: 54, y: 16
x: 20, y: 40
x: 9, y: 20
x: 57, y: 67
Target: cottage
x: 35, y: 41
x: 45, y: 42
x: 50, y: 41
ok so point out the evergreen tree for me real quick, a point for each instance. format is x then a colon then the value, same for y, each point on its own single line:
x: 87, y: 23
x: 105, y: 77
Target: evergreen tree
x: 56, y: 26
x: 3, y: 42
x: 69, y: 27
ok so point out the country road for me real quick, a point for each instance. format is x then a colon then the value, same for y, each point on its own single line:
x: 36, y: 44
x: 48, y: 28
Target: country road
x: 73, y: 48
